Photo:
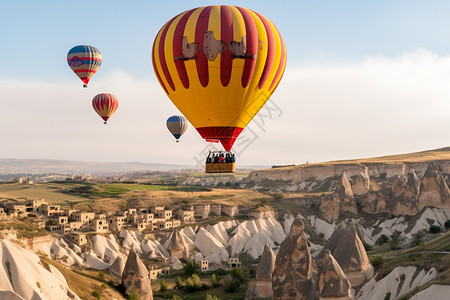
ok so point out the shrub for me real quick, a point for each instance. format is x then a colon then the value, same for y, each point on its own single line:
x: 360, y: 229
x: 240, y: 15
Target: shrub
x: 383, y: 239
x: 162, y: 285
x: 190, y: 267
x: 417, y: 238
x: 209, y: 297
x: 237, y: 273
x: 178, y: 283
x: 377, y: 261
x: 101, y: 275
x: 97, y: 294
x: 435, y: 229
x: 367, y: 247
x: 134, y: 295
x: 215, y: 280
x: 231, y: 285
x: 220, y: 271
x: 193, y: 283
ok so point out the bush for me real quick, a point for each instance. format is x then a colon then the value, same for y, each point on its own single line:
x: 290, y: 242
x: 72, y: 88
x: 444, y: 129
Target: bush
x: 231, y: 285
x: 435, y: 229
x: 367, y: 247
x: 101, y: 275
x: 418, y: 238
x: 97, y: 294
x: 190, y: 267
x: 383, y: 239
x: 209, y: 297
x: 162, y: 285
x: 193, y: 283
x: 178, y: 283
x: 220, y: 271
x: 237, y: 273
x: 215, y: 280
x: 377, y: 261
x: 134, y: 295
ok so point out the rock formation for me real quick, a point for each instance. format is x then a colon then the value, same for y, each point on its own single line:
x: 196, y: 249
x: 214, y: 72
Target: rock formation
x: 361, y: 183
x: 398, y: 195
x: 333, y: 284
x: 117, y: 267
x: 434, y: 190
x: 341, y: 200
x: 295, y: 274
x: 135, y: 277
x: 263, y: 285
x: 177, y: 247
x: 346, y: 247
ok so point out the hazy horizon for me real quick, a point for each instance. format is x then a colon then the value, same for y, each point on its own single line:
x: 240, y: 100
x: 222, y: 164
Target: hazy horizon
x: 362, y: 80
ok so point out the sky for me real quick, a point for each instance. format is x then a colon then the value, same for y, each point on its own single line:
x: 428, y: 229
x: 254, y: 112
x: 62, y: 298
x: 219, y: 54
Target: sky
x: 363, y: 79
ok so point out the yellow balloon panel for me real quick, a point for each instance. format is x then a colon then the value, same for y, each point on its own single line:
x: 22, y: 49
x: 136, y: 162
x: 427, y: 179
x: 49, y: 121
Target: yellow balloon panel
x: 219, y: 65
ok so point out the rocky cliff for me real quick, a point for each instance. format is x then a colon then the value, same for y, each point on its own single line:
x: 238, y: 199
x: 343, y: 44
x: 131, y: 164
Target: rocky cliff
x: 398, y: 188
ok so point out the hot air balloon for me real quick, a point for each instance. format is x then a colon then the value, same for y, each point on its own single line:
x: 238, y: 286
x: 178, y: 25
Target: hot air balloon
x: 219, y: 65
x: 105, y: 105
x: 84, y: 60
x: 177, y: 125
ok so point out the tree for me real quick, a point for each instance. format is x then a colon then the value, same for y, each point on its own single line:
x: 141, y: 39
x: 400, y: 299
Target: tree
x: 178, y: 283
x: 237, y: 273
x: 190, y: 267
x: 231, y: 285
x: 162, y: 285
x: 383, y: 239
x: 215, y: 280
x: 435, y: 229
x: 377, y: 261
x: 395, y: 240
x: 418, y: 238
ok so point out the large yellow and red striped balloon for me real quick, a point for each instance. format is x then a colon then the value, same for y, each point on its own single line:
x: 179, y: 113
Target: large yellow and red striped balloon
x: 105, y: 105
x: 219, y: 65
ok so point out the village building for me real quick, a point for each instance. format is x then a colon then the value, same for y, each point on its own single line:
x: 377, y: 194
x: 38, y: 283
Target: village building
x: 35, y: 206
x: 229, y: 210
x: 201, y: 211
x: 216, y: 209
x: 77, y: 238
x: 233, y: 262
x: 50, y: 210
x: 116, y: 222
x: 203, y: 265
x: 99, y: 225
x: 83, y: 217
x: 185, y: 216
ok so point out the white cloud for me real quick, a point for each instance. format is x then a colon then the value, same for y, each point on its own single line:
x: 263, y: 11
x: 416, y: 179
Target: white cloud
x: 377, y: 106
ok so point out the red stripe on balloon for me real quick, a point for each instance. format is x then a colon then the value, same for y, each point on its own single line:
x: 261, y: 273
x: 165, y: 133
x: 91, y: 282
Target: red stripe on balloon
x: 156, y: 69
x: 201, y: 60
x: 252, y: 46
x: 225, y: 134
x: 162, y: 55
x: 280, y: 69
x: 270, y: 51
x: 178, y: 48
x: 226, y: 35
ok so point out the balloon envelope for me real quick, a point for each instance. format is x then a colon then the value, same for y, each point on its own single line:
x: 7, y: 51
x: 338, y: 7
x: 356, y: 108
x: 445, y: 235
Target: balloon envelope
x: 105, y: 105
x: 219, y: 65
x: 84, y: 60
x: 177, y: 125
